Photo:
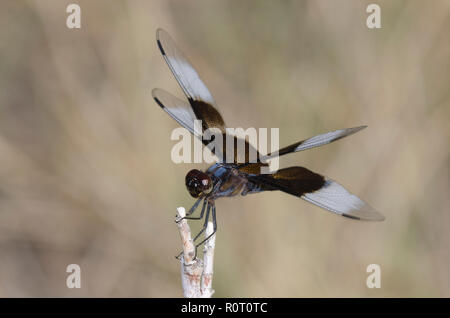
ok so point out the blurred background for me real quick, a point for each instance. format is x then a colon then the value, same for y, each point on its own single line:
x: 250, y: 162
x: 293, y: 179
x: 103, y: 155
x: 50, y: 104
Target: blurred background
x: 85, y: 169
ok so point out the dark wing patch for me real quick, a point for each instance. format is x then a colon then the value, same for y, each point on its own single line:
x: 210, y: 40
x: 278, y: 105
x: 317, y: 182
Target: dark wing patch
x: 239, y: 151
x: 209, y: 115
x: 293, y: 180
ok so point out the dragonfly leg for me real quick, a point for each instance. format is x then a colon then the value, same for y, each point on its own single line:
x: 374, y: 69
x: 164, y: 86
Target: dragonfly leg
x: 206, y: 224
x: 191, y: 210
x: 202, y: 212
x: 210, y: 203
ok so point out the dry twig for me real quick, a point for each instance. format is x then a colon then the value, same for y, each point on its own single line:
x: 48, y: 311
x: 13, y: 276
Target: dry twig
x: 196, y: 274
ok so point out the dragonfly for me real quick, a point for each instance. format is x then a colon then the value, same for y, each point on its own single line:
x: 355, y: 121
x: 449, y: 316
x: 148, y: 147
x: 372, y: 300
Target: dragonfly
x: 228, y: 179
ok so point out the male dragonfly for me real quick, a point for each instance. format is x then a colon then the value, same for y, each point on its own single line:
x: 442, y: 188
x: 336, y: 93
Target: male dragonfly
x: 230, y: 179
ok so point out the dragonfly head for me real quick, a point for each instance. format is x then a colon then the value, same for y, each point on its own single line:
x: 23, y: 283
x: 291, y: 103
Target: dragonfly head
x: 198, y: 183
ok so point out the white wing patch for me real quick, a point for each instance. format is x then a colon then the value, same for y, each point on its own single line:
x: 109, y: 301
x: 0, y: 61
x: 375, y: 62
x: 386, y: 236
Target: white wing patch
x: 315, y: 141
x: 184, y: 72
x: 326, y: 138
x: 179, y: 110
x: 189, y: 80
x: 335, y: 198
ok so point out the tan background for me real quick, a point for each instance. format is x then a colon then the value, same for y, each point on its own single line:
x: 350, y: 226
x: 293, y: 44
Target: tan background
x: 85, y: 169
